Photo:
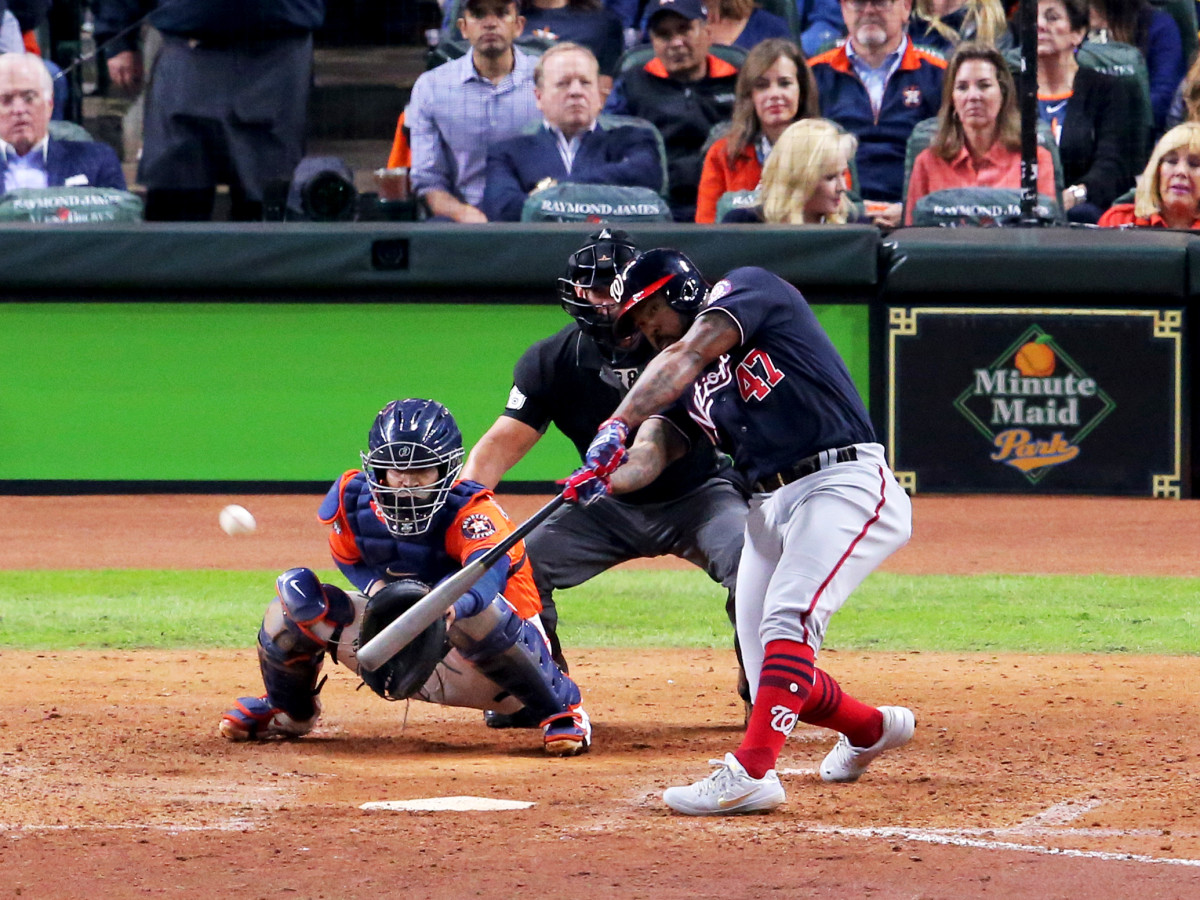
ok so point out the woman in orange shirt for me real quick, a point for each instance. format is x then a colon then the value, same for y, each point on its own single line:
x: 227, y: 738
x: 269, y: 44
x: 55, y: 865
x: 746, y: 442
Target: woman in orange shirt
x: 978, y: 141
x: 1168, y: 195
x: 774, y: 88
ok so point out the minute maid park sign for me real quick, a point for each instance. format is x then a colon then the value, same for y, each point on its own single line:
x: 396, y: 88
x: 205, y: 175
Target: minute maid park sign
x: 1034, y: 404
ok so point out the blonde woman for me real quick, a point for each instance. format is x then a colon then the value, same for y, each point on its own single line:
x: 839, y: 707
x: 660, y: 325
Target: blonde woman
x: 804, y: 180
x: 1169, y: 193
x: 941, y: 25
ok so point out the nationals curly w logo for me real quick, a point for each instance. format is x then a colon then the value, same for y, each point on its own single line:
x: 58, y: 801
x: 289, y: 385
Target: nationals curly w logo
x: 783, y: 719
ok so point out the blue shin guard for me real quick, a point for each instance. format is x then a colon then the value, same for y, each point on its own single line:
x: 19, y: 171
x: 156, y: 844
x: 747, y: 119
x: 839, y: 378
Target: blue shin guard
x: 513, y: 653
x: 302, y: 621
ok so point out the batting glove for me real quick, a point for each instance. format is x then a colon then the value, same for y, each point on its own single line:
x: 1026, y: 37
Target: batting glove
x: 585, y: 486
x: 607, y: 450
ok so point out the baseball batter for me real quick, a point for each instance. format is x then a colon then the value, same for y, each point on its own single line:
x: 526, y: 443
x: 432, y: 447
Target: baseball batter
x: 402, y: 523
x: 695, y: 509
x: 758, y: 376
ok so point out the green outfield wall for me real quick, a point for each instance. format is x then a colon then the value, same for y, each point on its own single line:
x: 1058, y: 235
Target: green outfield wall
x: 263, y: 391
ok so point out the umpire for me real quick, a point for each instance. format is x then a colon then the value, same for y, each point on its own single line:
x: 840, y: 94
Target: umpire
x: 695, y: 510
x: 227, y: 100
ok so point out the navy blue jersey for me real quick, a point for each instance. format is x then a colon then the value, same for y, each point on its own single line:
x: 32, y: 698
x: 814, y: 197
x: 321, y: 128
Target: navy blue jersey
x: 783, y: 392
x: 565, y: 379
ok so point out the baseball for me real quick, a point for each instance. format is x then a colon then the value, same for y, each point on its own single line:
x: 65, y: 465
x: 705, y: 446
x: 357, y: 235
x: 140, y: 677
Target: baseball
x: 237, y: 520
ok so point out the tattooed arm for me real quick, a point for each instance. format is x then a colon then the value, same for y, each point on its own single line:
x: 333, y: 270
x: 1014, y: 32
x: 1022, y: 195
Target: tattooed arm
x: 658, y: 444
x: 671, y: 372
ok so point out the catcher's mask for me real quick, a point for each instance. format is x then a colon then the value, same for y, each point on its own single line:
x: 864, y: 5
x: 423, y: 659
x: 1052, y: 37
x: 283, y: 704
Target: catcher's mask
x: 593, y: 267
x: 403, y: 675
x: 407, y: 435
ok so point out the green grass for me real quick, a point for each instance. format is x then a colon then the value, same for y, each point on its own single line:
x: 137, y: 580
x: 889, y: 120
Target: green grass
x: 126, y: 609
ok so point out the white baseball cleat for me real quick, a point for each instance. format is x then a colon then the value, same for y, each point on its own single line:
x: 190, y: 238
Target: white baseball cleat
x: 846, y: 762
x: 729, y: 790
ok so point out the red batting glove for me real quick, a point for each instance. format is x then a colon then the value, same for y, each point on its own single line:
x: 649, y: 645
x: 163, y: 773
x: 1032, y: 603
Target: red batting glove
x: 585, y: 486
x: 607, y: 450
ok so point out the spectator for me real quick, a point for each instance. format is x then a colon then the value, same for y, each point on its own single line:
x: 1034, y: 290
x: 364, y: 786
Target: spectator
x: 821, y: 25
x: 739, y: 23
x: 804, y: 181
x: 978, y: 141
x: 878, y: 86
x: 941, y: 25
x: 683, y: 91
x: 458, y: 109
x: 33, y: 159
x: 584, y: 22
x: 1087, y: 111
x: 228, y: 102
x: 1168, y: 195
x: 570, y: 145
x: 774, y: 88
x: 1154, y: 32
x: 11, y: 40
x: 1185, y: 107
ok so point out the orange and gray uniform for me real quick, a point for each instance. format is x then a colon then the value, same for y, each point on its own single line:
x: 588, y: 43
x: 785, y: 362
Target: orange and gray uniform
x: 470, y: 524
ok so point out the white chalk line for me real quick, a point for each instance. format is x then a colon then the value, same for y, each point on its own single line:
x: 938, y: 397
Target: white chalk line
x: 227, y: 825
x: 937, y: 836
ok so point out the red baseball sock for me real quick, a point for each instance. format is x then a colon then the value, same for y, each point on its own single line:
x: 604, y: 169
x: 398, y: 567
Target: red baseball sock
x: 829, y: 706
x: 784, y: 686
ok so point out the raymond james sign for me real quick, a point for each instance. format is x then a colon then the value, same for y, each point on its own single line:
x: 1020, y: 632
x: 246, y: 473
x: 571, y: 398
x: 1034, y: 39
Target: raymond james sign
x: 1036, y: 400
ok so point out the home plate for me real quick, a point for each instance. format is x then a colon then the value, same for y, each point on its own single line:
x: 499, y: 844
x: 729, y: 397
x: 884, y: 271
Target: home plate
x: 451, y: 804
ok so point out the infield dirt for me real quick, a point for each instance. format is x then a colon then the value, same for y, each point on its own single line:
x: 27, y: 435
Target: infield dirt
x: 1046, y: 776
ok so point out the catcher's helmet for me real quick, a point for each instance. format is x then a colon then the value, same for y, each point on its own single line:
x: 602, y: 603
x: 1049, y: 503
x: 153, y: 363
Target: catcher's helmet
x: 412, y: 434
x: 662, y: 271
x: 594, y: 266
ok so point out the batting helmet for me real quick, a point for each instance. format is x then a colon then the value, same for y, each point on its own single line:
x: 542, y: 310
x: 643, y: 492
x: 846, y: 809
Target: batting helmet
x: 662, y: 271
x: 407, y: 435
x: 593, y: 267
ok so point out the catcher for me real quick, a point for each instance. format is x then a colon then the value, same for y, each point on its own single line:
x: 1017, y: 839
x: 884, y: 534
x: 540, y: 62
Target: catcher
x: 399, y: 525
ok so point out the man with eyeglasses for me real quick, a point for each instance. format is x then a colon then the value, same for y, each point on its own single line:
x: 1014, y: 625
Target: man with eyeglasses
x: 878, y: 86
x: 29, y: 157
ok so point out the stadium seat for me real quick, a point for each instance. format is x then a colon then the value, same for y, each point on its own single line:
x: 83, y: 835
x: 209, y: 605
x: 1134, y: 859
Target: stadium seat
x: 979, y: 206
x: 922, y: 136
x: 594, y: 203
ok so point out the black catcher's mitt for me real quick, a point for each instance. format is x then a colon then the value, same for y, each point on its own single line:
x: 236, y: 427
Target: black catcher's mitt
x: 403, y: 675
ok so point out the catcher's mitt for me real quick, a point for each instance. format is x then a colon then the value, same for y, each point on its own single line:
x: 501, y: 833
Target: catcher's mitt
x: 403, y: 675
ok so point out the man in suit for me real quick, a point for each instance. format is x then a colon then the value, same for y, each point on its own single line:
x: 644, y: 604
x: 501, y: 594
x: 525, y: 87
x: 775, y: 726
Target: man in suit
x: 570, y: 145
x: 31, y: 158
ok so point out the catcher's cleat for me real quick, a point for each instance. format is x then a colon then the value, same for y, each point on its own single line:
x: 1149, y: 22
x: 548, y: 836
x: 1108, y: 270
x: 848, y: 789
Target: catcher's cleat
x: 567, y: 734
x: 254, y: 719
x: 729, y: 790
x: 846, y: 762
x: 522, y: 718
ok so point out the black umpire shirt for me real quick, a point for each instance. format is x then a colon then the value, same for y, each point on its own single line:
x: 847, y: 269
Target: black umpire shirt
x: 565, y: 379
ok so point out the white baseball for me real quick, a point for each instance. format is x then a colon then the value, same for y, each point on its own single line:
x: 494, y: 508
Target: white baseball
x: 237, y: 520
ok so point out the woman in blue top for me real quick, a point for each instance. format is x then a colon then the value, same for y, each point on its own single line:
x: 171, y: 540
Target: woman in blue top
x: 739, y: 23
x: 941, y: 25
x: 1154, y: 32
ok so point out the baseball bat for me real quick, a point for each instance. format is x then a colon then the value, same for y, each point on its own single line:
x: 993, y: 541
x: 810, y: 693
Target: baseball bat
x: 398, y: 634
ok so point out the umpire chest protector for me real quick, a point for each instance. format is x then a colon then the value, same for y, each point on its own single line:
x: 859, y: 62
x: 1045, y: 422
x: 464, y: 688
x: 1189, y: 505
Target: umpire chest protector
x: 421, y: 556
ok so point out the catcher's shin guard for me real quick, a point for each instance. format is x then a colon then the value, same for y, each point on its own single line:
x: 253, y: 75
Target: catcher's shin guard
x: 513, y: 653
x: 302, y: 621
